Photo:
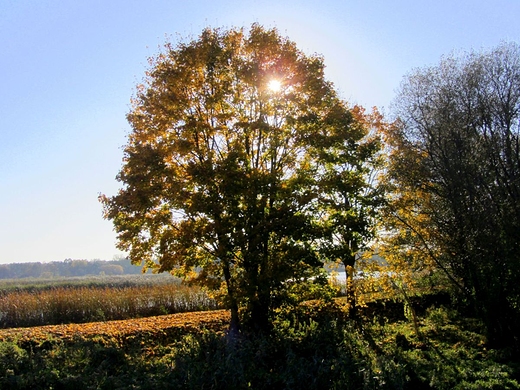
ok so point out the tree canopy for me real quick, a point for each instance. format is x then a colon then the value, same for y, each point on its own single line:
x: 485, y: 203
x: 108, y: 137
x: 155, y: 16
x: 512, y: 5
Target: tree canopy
x: 455, y: 179
x: 244, y: 169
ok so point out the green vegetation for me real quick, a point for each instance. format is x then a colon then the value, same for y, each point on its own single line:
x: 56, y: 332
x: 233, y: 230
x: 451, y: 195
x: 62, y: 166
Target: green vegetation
x: 100, y: 281
x: 453, y: 181
x: 312, y: 346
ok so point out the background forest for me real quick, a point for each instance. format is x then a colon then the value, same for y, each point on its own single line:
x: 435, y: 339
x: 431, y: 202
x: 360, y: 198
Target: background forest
x: 67, y: 268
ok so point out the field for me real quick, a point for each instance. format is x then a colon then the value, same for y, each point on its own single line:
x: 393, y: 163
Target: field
x: 36, y: 302
x: 315, y: 345
x: 156, y: 327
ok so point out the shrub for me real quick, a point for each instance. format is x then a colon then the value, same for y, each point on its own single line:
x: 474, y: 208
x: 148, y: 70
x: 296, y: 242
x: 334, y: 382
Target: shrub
x: 12, y: 357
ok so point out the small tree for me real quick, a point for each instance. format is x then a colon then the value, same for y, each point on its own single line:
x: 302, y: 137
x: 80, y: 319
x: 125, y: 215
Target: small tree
x: 350, y: 195
x: 233, y: 135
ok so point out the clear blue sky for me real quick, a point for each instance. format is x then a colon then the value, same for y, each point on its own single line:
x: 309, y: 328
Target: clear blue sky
x: 69, y: 67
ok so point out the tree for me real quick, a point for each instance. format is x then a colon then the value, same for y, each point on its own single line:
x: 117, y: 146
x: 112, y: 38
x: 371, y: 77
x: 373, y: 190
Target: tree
x: 455, y: 173
x: 111, y: 269
x: 233, y: 136
x: 350, y: 195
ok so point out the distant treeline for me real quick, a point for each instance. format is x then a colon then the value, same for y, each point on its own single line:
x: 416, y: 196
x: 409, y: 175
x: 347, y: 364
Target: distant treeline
x: 68, y: 268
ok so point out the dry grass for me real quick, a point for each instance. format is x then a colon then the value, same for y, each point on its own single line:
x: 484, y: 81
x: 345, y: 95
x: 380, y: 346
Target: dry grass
x: 87, y: 304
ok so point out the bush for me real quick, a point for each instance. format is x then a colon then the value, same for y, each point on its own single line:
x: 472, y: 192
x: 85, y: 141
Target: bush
x: 12, y: 358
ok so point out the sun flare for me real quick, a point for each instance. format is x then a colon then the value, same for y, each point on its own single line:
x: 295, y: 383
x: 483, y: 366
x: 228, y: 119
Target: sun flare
x: 274, y: 85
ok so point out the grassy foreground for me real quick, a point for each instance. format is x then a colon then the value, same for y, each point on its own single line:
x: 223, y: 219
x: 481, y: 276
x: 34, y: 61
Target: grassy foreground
x: 313, y: 346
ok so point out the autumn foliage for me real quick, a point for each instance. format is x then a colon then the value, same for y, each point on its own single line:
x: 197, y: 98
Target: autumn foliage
x: 238, y: 185
x: 156, y: 327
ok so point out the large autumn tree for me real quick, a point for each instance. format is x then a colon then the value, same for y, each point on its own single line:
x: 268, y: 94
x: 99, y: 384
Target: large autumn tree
x: 239, y: 151
x: 455, y: 174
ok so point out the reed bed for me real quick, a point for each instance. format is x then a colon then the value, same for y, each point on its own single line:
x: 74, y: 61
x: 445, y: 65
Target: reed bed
x: 62, y: 305
x: 97, y: 281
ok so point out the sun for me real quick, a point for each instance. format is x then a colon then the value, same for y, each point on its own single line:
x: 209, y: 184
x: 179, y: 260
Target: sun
x: 274, y: 85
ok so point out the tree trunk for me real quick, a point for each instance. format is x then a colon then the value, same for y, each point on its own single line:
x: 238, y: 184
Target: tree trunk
x: 502, y: 324
x: 259, y: 321
x: 350, y: 290
x: 234, y: 326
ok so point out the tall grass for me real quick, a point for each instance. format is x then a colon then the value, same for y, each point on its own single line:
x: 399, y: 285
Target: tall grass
x: 34, y: 284
x: 60, y: 305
